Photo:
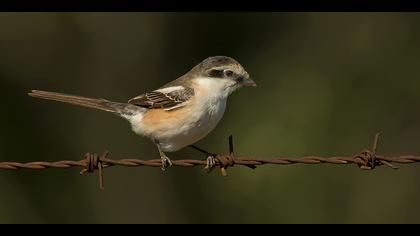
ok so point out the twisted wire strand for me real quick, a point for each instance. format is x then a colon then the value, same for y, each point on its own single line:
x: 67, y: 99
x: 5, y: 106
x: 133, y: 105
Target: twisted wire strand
x: 367, y: 160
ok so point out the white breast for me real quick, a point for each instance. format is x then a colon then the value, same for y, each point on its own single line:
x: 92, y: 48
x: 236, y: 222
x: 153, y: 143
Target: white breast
x: 206, y: 111
x: 199, y: 117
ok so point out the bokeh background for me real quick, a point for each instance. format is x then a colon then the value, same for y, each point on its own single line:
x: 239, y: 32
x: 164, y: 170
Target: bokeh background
x: 327, y: 82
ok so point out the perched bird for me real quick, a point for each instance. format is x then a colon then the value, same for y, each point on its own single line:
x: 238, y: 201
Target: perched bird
x: 179, y: 113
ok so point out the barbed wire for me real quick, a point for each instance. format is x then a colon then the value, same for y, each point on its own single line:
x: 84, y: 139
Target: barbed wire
x: 366, y: 160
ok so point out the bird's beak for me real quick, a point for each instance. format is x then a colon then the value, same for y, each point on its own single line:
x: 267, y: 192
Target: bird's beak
x: 249, y: 83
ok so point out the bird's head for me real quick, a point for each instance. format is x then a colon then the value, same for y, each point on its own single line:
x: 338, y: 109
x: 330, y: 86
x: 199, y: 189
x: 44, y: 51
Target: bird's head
x: 223, y: 73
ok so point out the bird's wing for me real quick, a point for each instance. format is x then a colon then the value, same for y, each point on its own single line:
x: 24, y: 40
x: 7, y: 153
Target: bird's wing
x: 166, y: 98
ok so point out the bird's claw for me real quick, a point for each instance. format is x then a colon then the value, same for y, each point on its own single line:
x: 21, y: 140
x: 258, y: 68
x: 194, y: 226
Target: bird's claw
x: 166, y: 162
x: 210, y: 163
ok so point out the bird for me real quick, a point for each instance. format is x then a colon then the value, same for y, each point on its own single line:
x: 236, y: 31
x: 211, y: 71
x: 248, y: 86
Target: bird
x: 179, y: 113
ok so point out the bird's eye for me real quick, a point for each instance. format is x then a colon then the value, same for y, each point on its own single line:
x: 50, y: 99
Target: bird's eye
x: 228, y: 73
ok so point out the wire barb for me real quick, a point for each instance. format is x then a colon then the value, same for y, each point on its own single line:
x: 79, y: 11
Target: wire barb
x: 366, y: 160
x: 369, y: 158
x: 227, y: 160
x: 94, y: 162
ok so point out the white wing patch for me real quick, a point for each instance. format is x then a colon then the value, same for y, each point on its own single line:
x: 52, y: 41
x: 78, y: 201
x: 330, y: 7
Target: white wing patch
x: 170, y: 89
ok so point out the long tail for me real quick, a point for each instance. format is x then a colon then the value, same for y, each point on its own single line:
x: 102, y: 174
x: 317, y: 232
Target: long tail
x: 101, y: 104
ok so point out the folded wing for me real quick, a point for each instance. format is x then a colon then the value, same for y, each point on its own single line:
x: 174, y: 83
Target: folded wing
x: 166, y: 98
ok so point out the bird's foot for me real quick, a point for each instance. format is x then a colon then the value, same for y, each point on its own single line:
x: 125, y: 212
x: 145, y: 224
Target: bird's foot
x: 210, y: 163
x: 166, y: 162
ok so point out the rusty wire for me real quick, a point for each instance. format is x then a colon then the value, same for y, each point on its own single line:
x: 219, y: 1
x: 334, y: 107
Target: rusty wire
x: 366, y: 160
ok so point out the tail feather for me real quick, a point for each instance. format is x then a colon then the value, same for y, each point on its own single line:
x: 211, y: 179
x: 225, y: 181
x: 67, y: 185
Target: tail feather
x: 101, y: 104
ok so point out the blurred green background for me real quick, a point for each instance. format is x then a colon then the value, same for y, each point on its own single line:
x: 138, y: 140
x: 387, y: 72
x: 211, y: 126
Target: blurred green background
x: 327, y: 82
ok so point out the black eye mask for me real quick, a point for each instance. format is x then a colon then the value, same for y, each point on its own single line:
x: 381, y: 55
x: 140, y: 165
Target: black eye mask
x: 216, y: 73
